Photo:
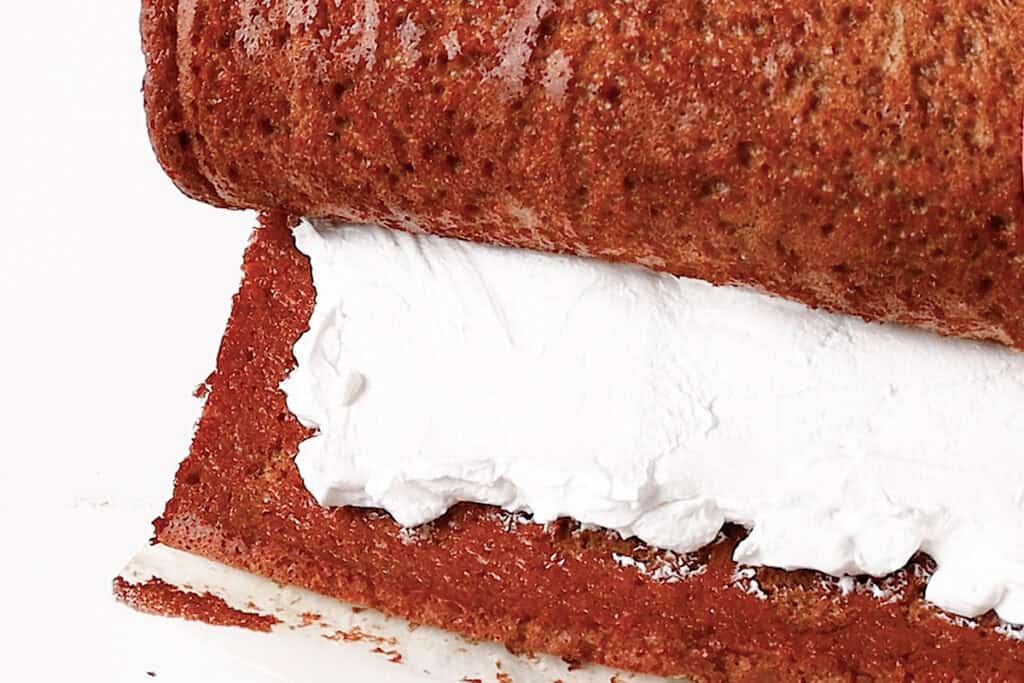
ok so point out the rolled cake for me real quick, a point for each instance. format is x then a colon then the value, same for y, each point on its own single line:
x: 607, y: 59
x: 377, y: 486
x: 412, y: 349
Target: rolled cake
x: 859, y: 156
x: 592, y: 459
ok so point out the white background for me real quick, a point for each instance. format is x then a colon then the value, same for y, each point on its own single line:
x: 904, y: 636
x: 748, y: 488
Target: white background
x: 114, y: 290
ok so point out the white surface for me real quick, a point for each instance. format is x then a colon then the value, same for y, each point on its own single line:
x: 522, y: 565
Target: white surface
x: 659, y: 407
x: 114, y: 290
x: 317, y: 636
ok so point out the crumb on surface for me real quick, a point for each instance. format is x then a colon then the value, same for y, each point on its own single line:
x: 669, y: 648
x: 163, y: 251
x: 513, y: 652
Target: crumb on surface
x: 156, y: 596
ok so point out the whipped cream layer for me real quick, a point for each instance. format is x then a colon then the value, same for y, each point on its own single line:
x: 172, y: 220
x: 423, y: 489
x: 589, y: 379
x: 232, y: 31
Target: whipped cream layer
x: 438, y: 371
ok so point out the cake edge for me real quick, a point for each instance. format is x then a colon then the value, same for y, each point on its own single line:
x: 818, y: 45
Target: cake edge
x: 169, y: 123
x: 272, y: 266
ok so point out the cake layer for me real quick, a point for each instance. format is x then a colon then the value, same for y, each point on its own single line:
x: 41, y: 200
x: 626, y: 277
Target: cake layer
x: 316, y: 637
x: 585, y: 595
x: 438, y: 371
x: 862, y: 156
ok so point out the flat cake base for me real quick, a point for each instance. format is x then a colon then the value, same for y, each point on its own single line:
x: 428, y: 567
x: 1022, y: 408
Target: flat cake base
x: 314, y: 638
x: 580, y: 593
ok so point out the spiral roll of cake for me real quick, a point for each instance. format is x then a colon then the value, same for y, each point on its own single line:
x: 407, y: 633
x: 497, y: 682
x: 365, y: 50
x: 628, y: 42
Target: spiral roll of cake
x: 863, y: 157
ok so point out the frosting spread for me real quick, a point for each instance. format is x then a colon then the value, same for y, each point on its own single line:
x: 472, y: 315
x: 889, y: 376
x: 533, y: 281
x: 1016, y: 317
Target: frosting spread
x: 438, y: 371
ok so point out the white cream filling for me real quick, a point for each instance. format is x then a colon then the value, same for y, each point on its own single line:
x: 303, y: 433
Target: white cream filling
x: 439, y: 371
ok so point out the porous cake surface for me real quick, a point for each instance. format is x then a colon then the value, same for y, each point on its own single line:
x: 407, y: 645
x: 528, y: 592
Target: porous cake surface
x: 585, y: 595
x: 861, y: 156
x: 157, y: 596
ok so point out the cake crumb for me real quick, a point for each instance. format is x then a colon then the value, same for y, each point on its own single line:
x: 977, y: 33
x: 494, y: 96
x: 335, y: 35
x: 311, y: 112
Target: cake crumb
x: 357, y: 634
x: 309, y: 618
x: 394, y: 656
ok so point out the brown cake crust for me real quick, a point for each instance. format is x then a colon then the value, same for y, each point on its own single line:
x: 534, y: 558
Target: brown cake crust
x: 156, y: 596
x: 859, y: 156
x: 168, y: 120
x: 238, y: 498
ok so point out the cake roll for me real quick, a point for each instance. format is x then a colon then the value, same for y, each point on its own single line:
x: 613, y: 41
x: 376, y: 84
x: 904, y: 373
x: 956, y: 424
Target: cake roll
x: 863, y: 157
x: 783, y: 495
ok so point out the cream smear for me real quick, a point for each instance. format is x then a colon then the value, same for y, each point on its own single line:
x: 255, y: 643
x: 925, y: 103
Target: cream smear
x: 438, y: 371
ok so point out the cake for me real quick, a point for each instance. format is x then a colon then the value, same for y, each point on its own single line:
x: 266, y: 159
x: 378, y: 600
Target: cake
x: 859, y: 156
x: 585, y: 594
x: 512, y: 375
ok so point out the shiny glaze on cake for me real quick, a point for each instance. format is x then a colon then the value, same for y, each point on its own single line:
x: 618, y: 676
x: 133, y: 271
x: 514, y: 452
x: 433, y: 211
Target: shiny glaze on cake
x: 859, y: 156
